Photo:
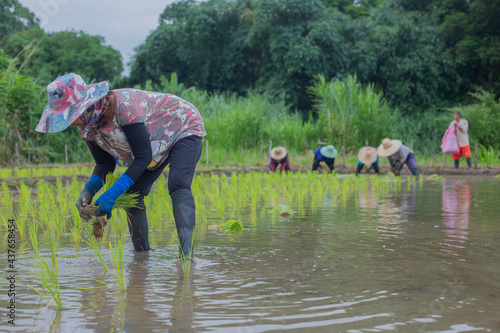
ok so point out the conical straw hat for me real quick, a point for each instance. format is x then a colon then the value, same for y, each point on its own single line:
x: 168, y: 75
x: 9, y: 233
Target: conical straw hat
x: 367, y: 155
x: 278, y: 153
x: 388, y: 147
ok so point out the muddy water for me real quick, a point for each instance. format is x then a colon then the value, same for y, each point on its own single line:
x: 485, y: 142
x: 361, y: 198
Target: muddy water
x: 424, y: 259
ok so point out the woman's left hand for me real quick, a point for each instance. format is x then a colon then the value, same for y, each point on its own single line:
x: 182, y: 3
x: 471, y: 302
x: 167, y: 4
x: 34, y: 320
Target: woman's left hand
x: 107, y: 200
x: 105, y: 204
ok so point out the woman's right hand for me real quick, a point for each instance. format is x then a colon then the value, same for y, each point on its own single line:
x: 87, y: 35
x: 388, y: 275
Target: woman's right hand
x: 84, y: 200
x: 90, y: 189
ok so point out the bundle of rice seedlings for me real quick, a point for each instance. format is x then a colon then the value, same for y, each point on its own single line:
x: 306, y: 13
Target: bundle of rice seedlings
x: 232, y: 225
x: 284, y: 210
x: 124, y: 201
x: 228, y: 226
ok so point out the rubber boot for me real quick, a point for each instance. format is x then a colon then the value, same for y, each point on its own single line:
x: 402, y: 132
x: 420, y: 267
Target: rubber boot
x: 138, y: 227
x: 416, y: 174
x: 185, y: 220
x: 456, y: 162
x: 469, y: 163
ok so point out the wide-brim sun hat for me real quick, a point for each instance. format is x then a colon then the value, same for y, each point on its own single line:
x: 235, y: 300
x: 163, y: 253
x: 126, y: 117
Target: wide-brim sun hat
x: 69, y: 97
x: 278, y: 153
x: 367, y: 155
x: 329, y: 151
x: 389, y: 147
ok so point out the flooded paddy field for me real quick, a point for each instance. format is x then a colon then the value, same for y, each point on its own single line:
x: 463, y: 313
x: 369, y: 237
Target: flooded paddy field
x: 354, y: 255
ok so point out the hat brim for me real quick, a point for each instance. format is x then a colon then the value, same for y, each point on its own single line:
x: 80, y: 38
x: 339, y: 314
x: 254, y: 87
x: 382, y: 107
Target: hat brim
x: 393, y: 149
x: 278, y: 154
x: 55, y: 120
x: 328, y: 154
x: 363, y: 158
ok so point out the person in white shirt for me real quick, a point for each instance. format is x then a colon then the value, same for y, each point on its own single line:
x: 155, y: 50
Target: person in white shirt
x: 461, y: 128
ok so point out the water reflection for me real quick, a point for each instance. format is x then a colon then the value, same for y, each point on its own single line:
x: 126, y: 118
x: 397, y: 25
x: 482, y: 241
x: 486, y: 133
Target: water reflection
x: 455, y: 214
x: 137, y: 316
x: 395, y: 211
x: 384, y: 262
x: 183, y: 303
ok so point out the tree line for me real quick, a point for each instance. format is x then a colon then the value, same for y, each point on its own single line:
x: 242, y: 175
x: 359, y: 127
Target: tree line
x: 420, y: 53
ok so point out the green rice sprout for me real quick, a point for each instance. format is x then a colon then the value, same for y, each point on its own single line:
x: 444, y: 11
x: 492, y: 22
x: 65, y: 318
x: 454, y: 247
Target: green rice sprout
x: 284, y: 210
x: 91, y: 241
x: 47, y: 272
x: 116, y: 255
x: 4, y: 220
x: 436, y: 178
x: 231, y: 225
x: 76, y: 228
x: 6, y: 198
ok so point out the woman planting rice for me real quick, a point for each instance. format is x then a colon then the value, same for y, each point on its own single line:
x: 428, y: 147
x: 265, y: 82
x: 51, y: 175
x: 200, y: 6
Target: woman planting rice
x: 146, y: 130
x: 398, y: 155
x: 279, y: 155
x: 325, y: 154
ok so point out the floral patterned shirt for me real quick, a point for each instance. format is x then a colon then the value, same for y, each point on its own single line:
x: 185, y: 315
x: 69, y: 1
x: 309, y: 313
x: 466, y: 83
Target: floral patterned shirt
x: 167, y: 118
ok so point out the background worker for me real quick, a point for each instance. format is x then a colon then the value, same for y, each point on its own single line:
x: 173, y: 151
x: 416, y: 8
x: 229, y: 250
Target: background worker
x: 461, y: 129
x: 147, y: 130
x: 398, y: 155
x: 325, y: 154
x: 368, y: 156
x: 279, y: 155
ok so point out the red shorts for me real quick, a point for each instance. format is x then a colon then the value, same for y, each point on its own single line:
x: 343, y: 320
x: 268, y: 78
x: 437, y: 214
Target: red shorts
x: 464, y: 151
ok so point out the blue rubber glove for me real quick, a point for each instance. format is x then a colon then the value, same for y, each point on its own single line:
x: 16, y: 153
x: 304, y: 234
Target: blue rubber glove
x: 106, y: 201
x: 89, y: 190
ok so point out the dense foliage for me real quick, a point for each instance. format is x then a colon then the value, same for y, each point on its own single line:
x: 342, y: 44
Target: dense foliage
x: 21, y: 104
x: 13, y: 18
x: 47, y: 56
x: 422, y: 54
x: 351, y: 114
x: 484, y: 119
x: 290, y: 71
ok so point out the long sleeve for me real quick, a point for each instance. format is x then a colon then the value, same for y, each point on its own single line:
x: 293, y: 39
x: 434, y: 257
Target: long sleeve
x: 105, y: 163
x: 138, y: 139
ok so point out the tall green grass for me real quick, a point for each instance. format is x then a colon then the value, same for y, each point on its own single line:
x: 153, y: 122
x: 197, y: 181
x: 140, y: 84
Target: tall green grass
x: 351, y: 113
x: 238, y: 124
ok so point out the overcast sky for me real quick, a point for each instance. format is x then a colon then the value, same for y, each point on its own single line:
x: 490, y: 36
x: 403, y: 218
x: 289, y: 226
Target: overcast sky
x: 124, y: 24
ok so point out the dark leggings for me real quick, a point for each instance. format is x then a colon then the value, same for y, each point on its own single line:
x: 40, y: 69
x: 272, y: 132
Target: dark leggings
x: 329, y: 161
x: 182, y: 160
x: 374, y: 166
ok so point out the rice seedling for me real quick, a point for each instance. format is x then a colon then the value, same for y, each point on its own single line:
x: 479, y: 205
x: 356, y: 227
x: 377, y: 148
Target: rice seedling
x: 47, y: 272
x: 76, y: 228
x: 25, y: 197
x: 21, y: 218
x: 95, y: 248
x: 229, y: 226
x: 436, y: 178
x: 6, y: 198
x: 116, y: 255
x: 4, y: 221
x: 284, y: 210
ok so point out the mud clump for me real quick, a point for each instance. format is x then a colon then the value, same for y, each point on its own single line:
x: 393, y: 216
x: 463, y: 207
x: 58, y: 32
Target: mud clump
x: 98, y: 226
x: 285, y: 214
x: 99, y: 222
